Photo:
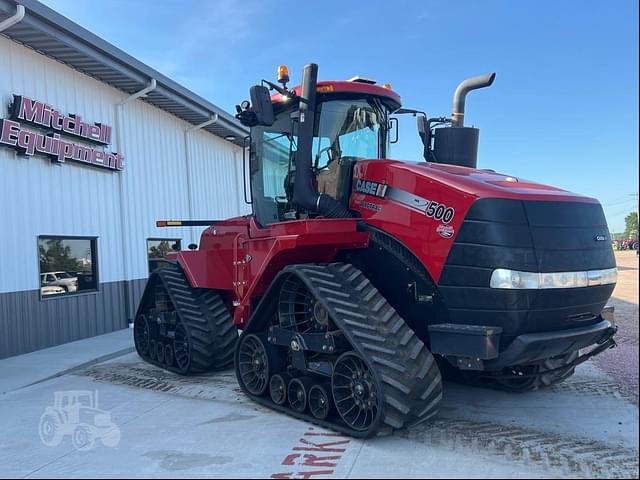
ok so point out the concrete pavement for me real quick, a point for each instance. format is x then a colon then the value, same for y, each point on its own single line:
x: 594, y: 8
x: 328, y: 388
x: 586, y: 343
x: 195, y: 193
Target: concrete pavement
x: 174, y: 426
x: 22, y: 370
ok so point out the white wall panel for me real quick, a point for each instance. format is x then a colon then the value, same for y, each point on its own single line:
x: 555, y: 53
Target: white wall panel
x: 38, y: 197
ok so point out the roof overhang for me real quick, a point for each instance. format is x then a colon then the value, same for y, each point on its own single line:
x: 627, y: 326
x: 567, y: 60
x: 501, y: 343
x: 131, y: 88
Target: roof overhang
x: 57, y: 37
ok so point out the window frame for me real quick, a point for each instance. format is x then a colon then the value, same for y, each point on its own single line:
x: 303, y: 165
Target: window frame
x: 158, y: 239
x: 95, y: 264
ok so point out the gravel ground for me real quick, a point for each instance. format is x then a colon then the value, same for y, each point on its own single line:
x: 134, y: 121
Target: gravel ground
x: 621, y: 363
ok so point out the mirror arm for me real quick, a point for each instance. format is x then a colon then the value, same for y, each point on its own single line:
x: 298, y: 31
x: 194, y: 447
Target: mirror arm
x: 282, y: 91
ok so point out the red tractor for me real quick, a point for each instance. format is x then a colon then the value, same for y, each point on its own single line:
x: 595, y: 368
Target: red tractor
x: 358, y: 281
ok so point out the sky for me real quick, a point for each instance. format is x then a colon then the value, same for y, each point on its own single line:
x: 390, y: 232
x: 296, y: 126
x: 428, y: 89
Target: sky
x: 562, y: 111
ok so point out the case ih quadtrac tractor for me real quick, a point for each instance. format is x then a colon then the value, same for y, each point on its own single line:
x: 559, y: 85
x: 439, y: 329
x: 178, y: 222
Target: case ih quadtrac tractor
x: 358, y: 281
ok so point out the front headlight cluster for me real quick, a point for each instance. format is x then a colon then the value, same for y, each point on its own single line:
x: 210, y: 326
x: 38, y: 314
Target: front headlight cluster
x: 513, y: 279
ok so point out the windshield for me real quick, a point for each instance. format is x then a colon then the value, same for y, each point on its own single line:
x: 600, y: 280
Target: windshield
x: 350, y: 128
x: 344, y: 128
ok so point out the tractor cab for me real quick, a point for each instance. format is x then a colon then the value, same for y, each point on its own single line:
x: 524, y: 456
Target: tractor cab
x: 304, y: 146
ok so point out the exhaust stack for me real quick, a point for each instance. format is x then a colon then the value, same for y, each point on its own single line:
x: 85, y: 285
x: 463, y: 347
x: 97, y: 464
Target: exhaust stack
x: 305, y: 193
x: 473, y: 83
x: 457, y: 144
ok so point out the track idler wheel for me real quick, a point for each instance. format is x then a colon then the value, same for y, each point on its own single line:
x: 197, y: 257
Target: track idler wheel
x: 254, y: 364
x: 355, y: 392
x: 298, y: 392
x: 278, y: 388
x: 320, y: 403
x: 141, y: 335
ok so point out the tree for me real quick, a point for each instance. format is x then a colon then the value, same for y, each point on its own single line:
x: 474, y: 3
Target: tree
x: 631, y: 222
x: 56, y: 257
x: 160, y: 250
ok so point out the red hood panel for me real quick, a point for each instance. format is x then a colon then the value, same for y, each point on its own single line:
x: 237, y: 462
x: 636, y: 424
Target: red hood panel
x: 484, y: 183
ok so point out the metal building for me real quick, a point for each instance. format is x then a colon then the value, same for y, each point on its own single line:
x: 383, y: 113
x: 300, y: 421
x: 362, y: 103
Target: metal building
x: 94, y: 148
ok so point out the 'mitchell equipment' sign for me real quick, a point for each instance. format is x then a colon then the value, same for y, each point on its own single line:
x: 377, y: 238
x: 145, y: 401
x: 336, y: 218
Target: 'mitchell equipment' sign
x: 55, y: 127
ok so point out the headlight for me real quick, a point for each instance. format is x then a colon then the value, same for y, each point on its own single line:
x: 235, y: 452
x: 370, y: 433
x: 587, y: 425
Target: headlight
x: 513, y: 279
x: 503, y: 278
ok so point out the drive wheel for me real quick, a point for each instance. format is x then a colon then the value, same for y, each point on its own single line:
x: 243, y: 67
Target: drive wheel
x: 253, y: 364
x: 141, y: 335
x: 182, y: 349
x: 355, y: 392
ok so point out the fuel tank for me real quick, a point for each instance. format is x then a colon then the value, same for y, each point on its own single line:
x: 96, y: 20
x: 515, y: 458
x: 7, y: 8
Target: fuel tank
x: 464, y: 223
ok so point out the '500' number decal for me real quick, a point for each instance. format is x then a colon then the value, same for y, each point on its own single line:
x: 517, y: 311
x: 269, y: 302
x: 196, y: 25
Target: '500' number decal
x: 439, y: 211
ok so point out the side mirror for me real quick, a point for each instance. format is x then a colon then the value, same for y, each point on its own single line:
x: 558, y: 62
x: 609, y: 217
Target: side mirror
x: 262, y: 106
x: 423, y: 129
x: 394, y: 126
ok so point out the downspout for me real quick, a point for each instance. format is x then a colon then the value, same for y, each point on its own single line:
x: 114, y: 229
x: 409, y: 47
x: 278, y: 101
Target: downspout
x: 187, y: 155
x: 152, y: 86
x: 123, y: 224
x: 11, y: 21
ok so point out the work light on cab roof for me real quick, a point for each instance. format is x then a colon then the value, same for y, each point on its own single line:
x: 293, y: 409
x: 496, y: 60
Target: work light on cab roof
x: 283, y: 75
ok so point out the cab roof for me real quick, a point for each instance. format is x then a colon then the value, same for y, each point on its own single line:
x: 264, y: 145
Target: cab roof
x: 344, y: 86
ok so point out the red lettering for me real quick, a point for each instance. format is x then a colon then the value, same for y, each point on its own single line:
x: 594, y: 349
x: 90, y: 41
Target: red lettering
x: 105, y: 134
x: 94, y: 132
x: 321, y: 447
x: 311, y: 460
x: 31, y: 111
x: 302, y: 474
x: 27, y: 141
x: 56, y: 120
x: 119, y: 162
x: 10, y: 130
x: 66, y: 150
x: 69, y: 125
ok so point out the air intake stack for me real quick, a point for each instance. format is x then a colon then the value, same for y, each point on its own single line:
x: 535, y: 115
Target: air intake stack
x: 458, y: 145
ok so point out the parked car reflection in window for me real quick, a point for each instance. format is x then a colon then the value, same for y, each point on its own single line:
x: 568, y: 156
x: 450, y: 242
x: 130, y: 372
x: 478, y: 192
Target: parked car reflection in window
x: 67, y: 265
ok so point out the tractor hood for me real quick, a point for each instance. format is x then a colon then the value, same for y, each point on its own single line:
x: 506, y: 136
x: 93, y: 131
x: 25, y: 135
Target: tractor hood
x: 482, y: 183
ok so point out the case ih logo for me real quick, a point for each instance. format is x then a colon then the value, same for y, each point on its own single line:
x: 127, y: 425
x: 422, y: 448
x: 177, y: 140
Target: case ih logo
x: 371, y: 188
x: 50, y: 142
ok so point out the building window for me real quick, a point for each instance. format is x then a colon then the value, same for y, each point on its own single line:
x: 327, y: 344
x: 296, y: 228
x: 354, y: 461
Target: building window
x: 68, y: 265
x: 157, y: 248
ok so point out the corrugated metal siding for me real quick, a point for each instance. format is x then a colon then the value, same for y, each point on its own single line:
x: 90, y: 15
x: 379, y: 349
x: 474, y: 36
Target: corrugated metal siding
x: 40, y: 198
x: 30, y: 324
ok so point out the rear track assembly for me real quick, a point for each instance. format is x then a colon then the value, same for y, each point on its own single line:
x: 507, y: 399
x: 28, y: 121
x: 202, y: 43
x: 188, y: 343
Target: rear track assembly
x: 182, y: 329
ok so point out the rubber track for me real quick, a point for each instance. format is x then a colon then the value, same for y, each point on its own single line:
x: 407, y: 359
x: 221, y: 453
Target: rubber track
x: 406, y: 373
x: 206, y: 319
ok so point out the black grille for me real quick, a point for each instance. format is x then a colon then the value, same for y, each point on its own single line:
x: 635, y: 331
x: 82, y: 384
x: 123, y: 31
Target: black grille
x: 534, y: 236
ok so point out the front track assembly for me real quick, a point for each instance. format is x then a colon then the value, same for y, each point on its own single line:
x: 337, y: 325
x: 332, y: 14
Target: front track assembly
x: 182, y: 329
x: 325, y: 346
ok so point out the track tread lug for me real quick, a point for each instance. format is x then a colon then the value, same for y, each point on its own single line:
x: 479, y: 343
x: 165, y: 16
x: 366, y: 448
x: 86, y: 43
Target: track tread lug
x: 408, y: 379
